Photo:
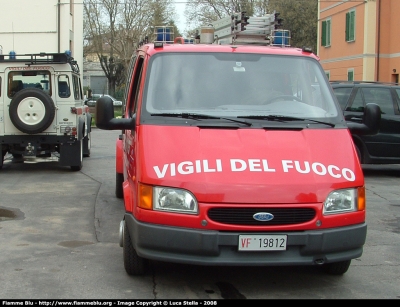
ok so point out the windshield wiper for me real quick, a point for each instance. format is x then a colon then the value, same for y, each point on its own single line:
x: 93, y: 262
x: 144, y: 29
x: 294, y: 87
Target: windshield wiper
x: 198, y: 116
x: 283, y: 118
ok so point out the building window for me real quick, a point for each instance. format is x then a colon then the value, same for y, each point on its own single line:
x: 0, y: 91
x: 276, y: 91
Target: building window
x: 350, y: 26
x: 328, y: 75
x: 350, y: 74
x: 326, y: 33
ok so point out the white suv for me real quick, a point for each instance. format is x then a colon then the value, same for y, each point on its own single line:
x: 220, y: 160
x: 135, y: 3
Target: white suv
x: 42, y: 113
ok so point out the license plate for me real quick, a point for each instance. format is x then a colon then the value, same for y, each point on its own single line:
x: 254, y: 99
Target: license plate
x: 262, y: 242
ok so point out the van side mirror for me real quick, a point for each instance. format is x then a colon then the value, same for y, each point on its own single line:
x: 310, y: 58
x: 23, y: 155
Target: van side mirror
x: 105, y: 116
x: 371, y: 121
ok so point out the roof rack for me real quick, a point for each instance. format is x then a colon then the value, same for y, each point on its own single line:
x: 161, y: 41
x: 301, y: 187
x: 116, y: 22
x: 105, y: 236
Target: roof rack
x: 248, y: 30
x: 40, y: 58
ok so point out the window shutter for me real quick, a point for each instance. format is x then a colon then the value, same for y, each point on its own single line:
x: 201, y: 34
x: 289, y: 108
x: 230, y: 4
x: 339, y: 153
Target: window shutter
x: 347, y: 26
x: 323, y: 38
x: 350, y: 75
x: 352, y: 26
x: 328, y: 32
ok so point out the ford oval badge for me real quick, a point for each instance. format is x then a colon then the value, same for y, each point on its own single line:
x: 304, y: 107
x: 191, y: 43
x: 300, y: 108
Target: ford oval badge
x: 263, y: 216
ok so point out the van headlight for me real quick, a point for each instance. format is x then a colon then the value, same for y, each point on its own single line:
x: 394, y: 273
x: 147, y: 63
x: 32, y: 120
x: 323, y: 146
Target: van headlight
x: 174, y: 200
x: 346, y: 200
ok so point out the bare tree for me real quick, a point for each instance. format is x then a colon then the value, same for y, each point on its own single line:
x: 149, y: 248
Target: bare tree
x: 114, y: 29
x: 202, y: 12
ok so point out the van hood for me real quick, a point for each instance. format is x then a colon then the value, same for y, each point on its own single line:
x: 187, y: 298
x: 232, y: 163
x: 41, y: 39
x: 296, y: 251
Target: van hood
x: 258, y: 166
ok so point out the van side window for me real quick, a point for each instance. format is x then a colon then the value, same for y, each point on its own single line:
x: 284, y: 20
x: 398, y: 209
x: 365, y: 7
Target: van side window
x: 129, y: 79
x: 132, y: 104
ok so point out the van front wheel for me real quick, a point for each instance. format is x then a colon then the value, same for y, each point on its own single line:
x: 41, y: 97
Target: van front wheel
x: 337, y: 268
x: 134, y: 264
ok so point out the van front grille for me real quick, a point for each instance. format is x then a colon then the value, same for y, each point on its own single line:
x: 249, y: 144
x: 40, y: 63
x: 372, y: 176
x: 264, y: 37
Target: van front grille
x: 244, y: 216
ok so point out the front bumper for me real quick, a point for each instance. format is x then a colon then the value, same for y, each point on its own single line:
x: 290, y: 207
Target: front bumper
x: 210, y: 247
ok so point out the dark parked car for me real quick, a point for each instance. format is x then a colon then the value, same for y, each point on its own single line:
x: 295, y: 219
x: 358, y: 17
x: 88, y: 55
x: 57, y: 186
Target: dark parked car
x: 91, y: 102
x: 384, y: 147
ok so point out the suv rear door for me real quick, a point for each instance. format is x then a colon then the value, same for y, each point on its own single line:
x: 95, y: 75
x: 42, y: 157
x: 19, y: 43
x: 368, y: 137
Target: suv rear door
x: 33, y: 77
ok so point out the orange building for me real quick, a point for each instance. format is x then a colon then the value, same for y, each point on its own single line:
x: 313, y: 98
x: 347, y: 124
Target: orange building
x: 359, y: 40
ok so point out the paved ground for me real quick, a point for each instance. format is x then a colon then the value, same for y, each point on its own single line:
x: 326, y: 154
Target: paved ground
x: 59, y: 239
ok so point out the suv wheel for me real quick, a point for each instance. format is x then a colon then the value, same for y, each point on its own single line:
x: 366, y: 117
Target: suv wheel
x: 32, y: 110
x: 87, y: 144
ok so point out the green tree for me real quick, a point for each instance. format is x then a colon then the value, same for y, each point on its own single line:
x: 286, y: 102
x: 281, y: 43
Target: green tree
x: 300, y: 17
x: 163, y: 15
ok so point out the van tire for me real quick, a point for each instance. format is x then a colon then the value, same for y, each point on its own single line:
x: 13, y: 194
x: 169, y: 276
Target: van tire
x: 119, y: 179
x: 32, y: 110
x: 134, y: 264
x: 337, y: 268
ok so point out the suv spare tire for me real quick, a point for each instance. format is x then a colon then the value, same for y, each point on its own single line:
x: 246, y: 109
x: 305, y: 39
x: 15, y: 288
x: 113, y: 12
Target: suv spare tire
x: 32, y: 110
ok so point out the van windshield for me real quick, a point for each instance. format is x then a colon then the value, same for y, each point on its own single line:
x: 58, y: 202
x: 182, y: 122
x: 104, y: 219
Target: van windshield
x: 237, y: 84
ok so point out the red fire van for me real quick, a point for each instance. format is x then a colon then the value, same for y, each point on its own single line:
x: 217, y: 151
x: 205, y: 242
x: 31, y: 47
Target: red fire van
x: 236, y: 155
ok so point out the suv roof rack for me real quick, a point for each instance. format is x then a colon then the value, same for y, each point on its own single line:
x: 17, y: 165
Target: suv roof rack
x: 41, y: 58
